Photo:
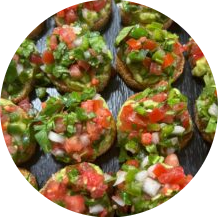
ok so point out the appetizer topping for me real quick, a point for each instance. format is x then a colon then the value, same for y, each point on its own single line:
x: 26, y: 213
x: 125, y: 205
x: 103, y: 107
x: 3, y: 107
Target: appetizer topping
x: 80, y: 188
x: 153, y: 121
x: 75, y: 61
x: 150, y: 53
x: 75, y: 127
x: 21, y: 72
x: 143, y: 190
x: 17, y: 131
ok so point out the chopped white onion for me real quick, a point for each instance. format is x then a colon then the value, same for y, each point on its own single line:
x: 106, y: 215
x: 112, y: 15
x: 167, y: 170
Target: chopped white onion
x: 151, y: 187
x: 85, y: 13
x: 87, y: 54
x: 42, y: 68
x: 105, y: 49
x: 58, y: 152
x: 155, y: 138
x: 174, y: 140
x: 54, y: 137
x: 213, y: 110
x: 77, y: 30
x: 150, y: 171
x: 85, y: 139
x: 78, y: 42
x: 141, y: 176
x: 118, y: 200
x: 162, y: 125
x: 97, y: 96
x: 100, y: 58
x: 178, y: 130
x: 144, y: 162
x: 19, y: 68
x: 96, y: 209
x: 107, y: 177
x: 121, y: 175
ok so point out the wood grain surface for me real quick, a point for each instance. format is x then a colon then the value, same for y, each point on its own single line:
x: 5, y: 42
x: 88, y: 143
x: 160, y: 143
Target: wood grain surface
x: 191, y: 158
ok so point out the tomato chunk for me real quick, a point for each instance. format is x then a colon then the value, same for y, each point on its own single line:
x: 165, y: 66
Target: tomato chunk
x: 70, y: 17
x: 156, y: 115
x: 47, y: 57
x: 159, y: 169
x: 73, y: 144
x: 160, y: 97
x: 36, y: 59
x: 155, y: 68
x: 133, y: 162
x: 75, y: 203
x: 146, y: 138
x: 134, y: 44
x: 150, y: 45
x: 168, y: 60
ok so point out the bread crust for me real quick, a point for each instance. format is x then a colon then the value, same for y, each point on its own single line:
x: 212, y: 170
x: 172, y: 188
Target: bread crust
x: 37, y: 31
x: 31, y: 177
x: 126, y: 74
x: 201, y: 126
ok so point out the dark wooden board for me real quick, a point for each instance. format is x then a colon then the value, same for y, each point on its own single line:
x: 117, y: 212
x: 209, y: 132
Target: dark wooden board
x: 116, y: 93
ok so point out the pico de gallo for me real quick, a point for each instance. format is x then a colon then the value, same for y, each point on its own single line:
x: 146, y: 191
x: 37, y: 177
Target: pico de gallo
x: 144, y: 184
x: 134, y: 13
x: 207, y: 109
x: 74, y: 61
x: 200, y: 66
x: 149, y: 54
x: 29, y: 177
x: 81, y: 188
x: 17, y: 131
x: 21, y: 71
x: 155, y: 121
x: 75, y: 127
x: 88, y: 14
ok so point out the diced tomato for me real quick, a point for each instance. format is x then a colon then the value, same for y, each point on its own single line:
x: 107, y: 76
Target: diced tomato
x: 16, y: 58
x: 88, y: 105
x: 133, y: 134
x: 36, y: 59
x: 25, y: 105
x: 8, y: 139
x: 94, y: 130
x: 159, y: 169
x: 147, y: 62
x: 179, y: 106
x: 74, y: 7
x: 99, y: 5
x: 47, y: 57
x: 134, y: 163
x: 73, y: 144
x: 155, y: 68
x: 54, y: 191
x: 67, y: 35
x: 160, y: 97
x: 83, y: 64
x: 146, y: 138
x: 75, y: 203
x: 168, y: 60
x: 88, y: 5
x: 215, y: 93
x: 53, y: 42
x: 168, y: 119
x: 97, y: 105
x: 172, y: 176
x: 75, y: 71
x: 43, y: 105
x: 101, y: 118
x: 172, y: 160
x: 70, y: 17
x: 149, y: 45
x: 61, y: 14
x: 185, y: 119
x: 104, y: 213
x: 10, y: 108
x: 134, y: 44
x: 178, y: 48
x: 60, y: 127
x: 95, y: 81
x: 156, y: 115
x: 196, y: 57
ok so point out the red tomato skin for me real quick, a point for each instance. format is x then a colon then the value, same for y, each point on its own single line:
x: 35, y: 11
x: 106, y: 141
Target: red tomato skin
x: 47, y: 57
x: 75, y: 203
x: 168, y: 60
x: 95, y: 81
x: 185, y: 119
x: 88, y: 106
x: 168, y: 119
x: 61, y: 14
x: 73, y: 145
x: 172, y: 160
x: 134, y: 163
x: 94, y: 130
x: 60, y: 127
x: 146, y: 138
x: 75, y: 71
x: 155, y: 69
x: 25, y: 105
x: 53, y: 43
x: 160, y: 97
x: 36, y: 59
x: 70, y: 17
x: 134, y: 44
x: 8, y: 139
x: 99, y: 5
x: 156, y: 115
x: 150, y: 45
x: 83, y: 64
x: 159, y: 169
x: 178, y: 48
x: 147, y: 62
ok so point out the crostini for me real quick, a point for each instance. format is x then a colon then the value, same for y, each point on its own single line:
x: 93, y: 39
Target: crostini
x: 17, y: 131
x: 81, y: 188
x: 74, y: 61
x: 75, y: 127
x: 206, y: 109
x: 148, y: 55
x: 199, y: 64
x: 154, y: 121
x: 134, y: 13
x: 94, y: 15
x: 37, y: 31
x: 29, y: 177
x: 21, y: 72
x: 144, y: 184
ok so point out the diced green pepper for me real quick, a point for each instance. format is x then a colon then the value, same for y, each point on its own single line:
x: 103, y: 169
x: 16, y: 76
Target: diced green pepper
x: 140, y: 110
x: 167, y: 130
x: 134, y: 188
x: 153, y: 127
x: 138, y: 32
x: 16, y: 128
x: 158, y: 56
x: 132, y: 146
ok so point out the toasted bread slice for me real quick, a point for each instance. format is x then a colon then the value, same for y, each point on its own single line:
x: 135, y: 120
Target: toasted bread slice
x: 201, y: 127
x: 126, y: 75
x: 37, y: 31
x: 29, y: 177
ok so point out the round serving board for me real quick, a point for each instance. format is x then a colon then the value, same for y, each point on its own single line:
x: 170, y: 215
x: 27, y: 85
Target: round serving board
x: 191, y: 158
